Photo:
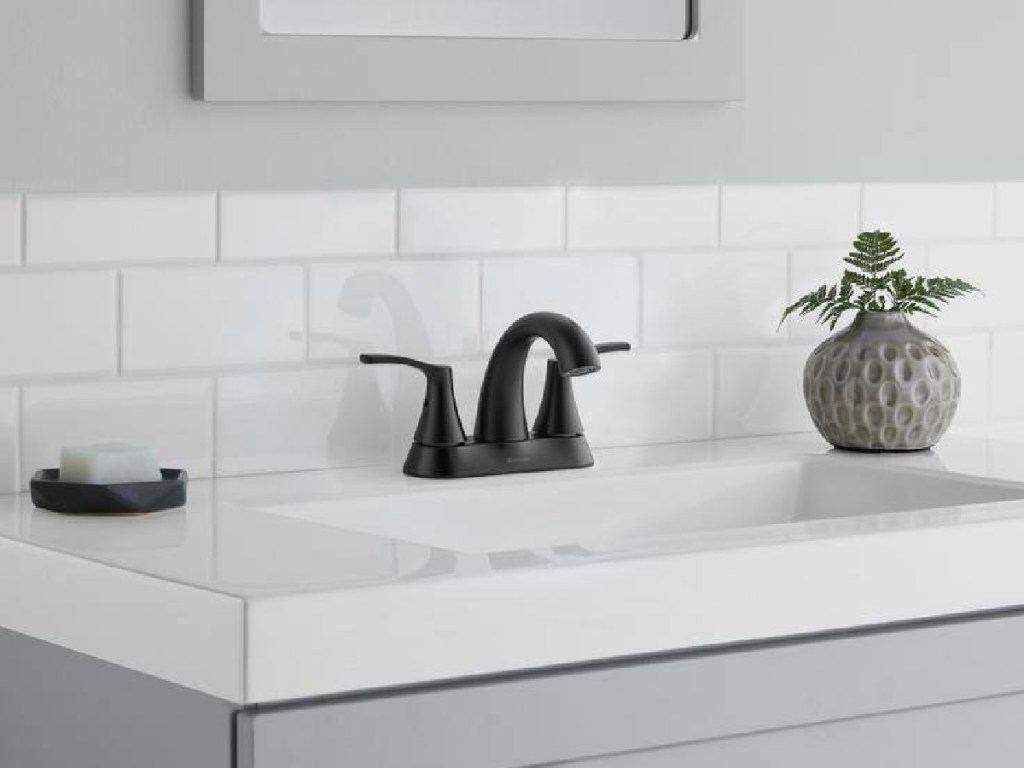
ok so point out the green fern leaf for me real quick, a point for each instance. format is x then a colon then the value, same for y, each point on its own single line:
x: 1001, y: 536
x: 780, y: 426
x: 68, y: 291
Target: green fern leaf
x: 874, y: 281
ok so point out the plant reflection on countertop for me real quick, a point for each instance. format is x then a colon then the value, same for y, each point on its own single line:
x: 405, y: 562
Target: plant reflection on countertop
x: 880, y: 384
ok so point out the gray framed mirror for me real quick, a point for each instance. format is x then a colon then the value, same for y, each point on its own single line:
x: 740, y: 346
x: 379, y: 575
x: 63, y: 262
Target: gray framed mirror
x: 468, y: 50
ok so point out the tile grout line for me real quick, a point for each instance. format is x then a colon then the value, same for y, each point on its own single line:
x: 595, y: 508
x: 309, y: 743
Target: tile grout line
x: 480, y: 290
x: 307, y: 331
x: 565, y: 218
x: 641, y: 336
x: 97, y: 377
x: 715, y: 377
x: 367, y: 257
x: 720, y: 209
x: 396, y: 236
x: 861, y: 195
x: 214, y: 425
x: 78, y: 267
x: 218, y: 228
x: 789, y: 294
x: 19, y: 436
x: 119, y: 323
x: 23, y: 224
x: 991, y: 384
x: 996, y: 196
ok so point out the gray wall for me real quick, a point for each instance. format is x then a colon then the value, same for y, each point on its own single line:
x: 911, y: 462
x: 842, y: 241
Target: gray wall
x: 95, y: 97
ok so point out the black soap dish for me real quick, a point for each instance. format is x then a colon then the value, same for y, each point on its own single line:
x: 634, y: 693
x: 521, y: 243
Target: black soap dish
x: 48, y: 492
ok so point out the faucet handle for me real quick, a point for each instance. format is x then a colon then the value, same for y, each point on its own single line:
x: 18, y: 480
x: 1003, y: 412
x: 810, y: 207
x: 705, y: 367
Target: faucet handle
x: 613, y: 346
x: 558, y: 415
x: 439, y: 423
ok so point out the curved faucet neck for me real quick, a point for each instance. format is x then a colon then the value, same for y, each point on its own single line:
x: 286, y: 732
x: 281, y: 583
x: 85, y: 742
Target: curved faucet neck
x: 501, y: 414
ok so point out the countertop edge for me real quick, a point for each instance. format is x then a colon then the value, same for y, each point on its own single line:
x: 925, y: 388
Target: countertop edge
x: 180, y: 634
x: 297, y: 650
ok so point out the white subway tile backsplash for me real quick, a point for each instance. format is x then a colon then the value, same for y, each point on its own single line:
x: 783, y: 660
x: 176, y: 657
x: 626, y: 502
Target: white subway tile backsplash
x: 995, y: 268
x: 700, y: 290
x: 642, y: 218
x: 422, y: 308
x: 214, y: 316
x: 760, y: 392
x: 598, y: 292
x: 174, y: 417
x: 1008, y: 375
x: 278, y: 225
x: 10, y: 230
x: 1010, y: 209
x: 790, y: 214
x: 58, y: 323
x: 923, y: 211
x: 698, y: 299
x: 318, y: 419
x: 647, y: 398
x: 439, y: 221
x: 83, y: 229
x: 9, y: 441
x: 972, y: 352
x: 809, y: 269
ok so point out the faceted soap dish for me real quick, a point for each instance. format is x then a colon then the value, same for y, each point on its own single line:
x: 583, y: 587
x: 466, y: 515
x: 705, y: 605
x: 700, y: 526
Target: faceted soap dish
x: 48, y: 492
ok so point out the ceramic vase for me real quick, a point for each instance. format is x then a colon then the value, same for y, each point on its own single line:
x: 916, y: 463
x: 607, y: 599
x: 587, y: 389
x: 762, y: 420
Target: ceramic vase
x: 882, y: 384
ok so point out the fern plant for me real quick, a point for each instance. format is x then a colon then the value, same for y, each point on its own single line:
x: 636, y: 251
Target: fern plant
x: 873, y: 283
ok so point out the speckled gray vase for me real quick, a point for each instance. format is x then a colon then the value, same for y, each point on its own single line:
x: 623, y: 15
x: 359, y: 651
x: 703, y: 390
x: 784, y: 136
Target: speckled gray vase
x: 882, y: 385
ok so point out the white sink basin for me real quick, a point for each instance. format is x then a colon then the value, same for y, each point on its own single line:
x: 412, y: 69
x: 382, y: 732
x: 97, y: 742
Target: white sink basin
x: 642, y: 509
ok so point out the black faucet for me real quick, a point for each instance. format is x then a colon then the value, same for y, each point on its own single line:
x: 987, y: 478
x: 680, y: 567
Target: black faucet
x: 502, y: 443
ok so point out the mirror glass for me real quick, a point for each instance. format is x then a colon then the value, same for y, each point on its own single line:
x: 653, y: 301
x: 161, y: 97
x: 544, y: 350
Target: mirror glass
x: 524, y: 19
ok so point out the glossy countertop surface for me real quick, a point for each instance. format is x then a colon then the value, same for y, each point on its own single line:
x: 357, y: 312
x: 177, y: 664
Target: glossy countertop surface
x: 262, y: 598
x: 230, y: 540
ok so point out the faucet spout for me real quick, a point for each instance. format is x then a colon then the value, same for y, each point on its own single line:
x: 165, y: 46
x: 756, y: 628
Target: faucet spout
x: 501, y: 414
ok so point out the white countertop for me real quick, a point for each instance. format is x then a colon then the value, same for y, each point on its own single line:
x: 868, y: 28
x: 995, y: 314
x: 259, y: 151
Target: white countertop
x: 251, y: 606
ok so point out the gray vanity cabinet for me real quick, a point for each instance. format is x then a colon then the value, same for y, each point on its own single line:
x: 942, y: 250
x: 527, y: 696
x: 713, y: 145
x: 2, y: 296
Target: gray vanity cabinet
x: 937, y: 694
x: 60, y: 709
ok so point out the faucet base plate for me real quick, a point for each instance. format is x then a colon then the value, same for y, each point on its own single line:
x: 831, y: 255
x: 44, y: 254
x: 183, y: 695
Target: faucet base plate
x: 473, y: 459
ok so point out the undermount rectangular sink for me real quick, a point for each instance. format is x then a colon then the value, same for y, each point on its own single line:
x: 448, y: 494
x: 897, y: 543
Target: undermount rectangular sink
x: 631, y: 511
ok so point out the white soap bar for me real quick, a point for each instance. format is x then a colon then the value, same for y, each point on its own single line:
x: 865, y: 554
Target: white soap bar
x: 108, y: 463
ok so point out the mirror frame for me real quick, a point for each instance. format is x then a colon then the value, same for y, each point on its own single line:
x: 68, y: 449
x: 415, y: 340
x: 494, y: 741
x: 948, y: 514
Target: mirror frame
x: 234, y: 60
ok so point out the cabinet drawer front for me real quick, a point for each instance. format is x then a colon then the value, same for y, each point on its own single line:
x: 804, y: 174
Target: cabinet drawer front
x: 976, y: 733
x: 613, y: 709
